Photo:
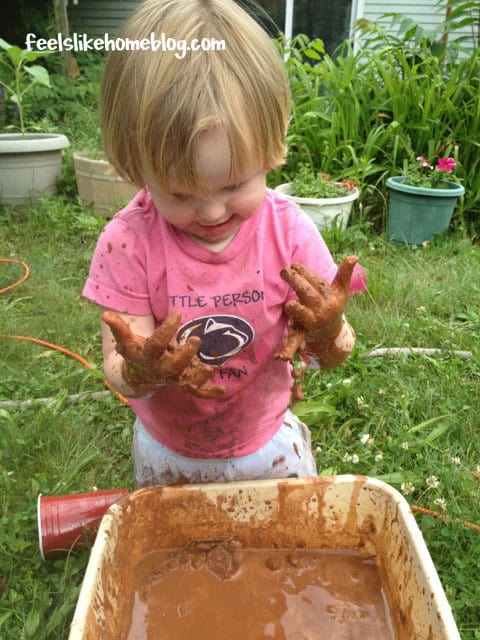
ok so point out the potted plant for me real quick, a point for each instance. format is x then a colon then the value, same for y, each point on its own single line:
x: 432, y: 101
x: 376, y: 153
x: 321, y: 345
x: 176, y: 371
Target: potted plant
x: 327, y: 202
x: 99, y: 184
x: 30, y: 163
x: 422, y: 201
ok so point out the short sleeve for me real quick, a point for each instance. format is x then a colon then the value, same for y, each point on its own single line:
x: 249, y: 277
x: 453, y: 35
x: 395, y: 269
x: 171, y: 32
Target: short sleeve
x: 117, y: 277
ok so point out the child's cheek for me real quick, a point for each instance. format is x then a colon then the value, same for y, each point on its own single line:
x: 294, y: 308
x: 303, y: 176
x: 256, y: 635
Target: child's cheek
x: 179, y: 215
x: 246, y: 205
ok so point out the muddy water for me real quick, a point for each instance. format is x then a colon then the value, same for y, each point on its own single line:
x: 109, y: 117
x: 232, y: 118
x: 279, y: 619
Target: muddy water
x: 214, y: 590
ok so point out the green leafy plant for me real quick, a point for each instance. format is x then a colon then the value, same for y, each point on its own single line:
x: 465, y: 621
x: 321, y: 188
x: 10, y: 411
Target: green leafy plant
x: 309, y: 183
x: 359, y: 113
x: 21, y: 76
x: 422, y: 173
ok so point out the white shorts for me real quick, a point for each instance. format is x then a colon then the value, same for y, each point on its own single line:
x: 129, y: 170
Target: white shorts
x: 287, y: 454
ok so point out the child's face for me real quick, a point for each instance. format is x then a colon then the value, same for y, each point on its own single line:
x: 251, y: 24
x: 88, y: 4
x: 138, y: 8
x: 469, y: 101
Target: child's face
x: 213, y: 222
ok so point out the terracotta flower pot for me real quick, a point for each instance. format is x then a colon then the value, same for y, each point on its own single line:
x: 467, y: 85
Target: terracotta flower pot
x: 100, y: 185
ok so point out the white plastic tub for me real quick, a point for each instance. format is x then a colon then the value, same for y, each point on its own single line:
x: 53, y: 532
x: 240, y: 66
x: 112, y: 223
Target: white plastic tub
x: 340, y: 512
x: 325, y: 212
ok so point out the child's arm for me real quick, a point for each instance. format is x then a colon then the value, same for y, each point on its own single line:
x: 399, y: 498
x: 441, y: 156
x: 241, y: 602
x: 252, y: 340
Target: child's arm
x: 319, y: 330
x: 141, y: 326
x: 138, y: 358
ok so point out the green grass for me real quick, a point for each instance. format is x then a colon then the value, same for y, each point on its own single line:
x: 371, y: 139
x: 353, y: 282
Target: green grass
x: 412, y: 421
x: 416, y: 298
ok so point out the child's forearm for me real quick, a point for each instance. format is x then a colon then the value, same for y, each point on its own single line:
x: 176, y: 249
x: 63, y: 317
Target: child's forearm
x: 114, y: 373
x: 329, y: 351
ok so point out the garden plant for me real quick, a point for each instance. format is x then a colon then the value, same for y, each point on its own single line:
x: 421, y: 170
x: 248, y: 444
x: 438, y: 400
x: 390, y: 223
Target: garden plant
x: 361, y: 113
x: 410, y: 417
x: 308, y: 183
x: 424, y: 174
x: 22, y: 74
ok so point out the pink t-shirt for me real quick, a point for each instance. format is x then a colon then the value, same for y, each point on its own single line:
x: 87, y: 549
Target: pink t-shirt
x: 234, y: 300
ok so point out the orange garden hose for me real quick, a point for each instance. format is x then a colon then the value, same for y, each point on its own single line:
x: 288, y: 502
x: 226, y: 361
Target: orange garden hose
x: 444, y: 517
x: 423, y: 510
x: 66, y: 352
x: 55, y: 347
x: 22, y: 279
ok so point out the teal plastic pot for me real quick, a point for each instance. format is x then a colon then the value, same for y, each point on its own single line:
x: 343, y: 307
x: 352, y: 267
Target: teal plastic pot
x: 417, y: 214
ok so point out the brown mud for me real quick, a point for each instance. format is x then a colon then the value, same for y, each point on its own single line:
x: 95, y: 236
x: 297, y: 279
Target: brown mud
x: 315, y: 318
x: 299, y: 515
x: 213, y: 590
x: 160, y: 359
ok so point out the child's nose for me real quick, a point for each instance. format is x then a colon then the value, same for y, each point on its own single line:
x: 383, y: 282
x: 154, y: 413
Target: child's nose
x: 210, y: 211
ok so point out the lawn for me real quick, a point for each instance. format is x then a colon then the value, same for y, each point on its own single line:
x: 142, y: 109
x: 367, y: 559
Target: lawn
x: 410, y: 420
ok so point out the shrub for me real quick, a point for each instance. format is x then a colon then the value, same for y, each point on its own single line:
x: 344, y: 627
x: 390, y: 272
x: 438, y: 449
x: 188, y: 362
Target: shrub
x: 360, y: 115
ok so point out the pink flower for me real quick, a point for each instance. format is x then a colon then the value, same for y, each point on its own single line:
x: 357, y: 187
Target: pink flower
x: 446, y: 164
x: 424, y: 162
x: 358, y: 283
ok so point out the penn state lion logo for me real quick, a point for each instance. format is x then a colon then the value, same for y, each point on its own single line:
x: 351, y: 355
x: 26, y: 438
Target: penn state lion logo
x: 222, y: 337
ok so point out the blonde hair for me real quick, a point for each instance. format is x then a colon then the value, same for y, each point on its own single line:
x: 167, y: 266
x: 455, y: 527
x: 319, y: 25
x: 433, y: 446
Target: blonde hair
x: 155, y: 106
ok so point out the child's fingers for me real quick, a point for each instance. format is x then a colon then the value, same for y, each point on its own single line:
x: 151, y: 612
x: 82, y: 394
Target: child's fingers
x: 195, y: 380
x: 120, y: 329
x: 129, y: 345
x: 199, y: 374
x: 319, y: 284
x: 292, y: 343
x: 342, y: 279
x: 307, y: 293
x: 301, y: 315
x: 182, y: 357
x: 158, y: 342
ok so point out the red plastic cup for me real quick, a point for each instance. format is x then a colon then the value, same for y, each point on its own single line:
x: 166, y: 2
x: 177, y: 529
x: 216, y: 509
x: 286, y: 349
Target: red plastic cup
x: 67, y: 522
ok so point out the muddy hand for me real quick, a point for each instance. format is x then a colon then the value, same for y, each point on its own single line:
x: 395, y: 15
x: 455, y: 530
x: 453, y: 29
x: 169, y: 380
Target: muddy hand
x: 319, y: 310
x: 160, y: 360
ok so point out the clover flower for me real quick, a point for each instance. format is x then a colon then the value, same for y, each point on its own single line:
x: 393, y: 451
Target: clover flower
x: 349, y: 457
x: 407, y: 488
x: 361, y: 404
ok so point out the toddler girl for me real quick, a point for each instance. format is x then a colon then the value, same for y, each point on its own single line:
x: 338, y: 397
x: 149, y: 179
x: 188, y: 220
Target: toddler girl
x: 207, y: 281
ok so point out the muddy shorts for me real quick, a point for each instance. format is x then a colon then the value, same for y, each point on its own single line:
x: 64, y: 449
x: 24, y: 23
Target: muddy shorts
x: 288, y: 454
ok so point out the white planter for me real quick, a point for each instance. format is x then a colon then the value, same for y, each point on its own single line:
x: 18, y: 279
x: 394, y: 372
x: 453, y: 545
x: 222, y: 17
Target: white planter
x: 29, y: 165
x: 100, y: 185
x: 325, y: 212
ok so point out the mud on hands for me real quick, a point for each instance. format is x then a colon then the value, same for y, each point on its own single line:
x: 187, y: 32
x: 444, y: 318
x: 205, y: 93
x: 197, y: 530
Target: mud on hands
x: 318, y: 328
x: 158, y: 360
